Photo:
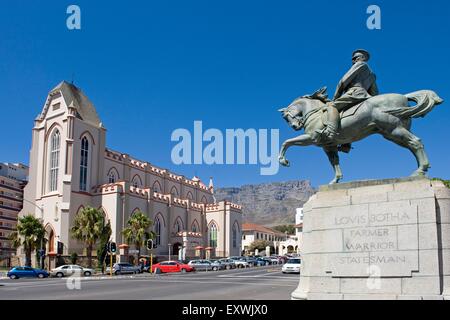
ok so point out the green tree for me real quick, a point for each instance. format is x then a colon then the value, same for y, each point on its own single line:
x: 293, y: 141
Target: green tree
x: 30, y: 234
x: 88, y: 227
x: 290, y: 228
x: 137, y: 231
x: 104, y: 239
x: 74, y: 258
x: 260, y: 245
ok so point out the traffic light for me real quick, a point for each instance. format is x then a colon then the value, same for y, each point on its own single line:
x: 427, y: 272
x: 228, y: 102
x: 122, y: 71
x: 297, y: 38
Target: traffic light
x: 113, y: 247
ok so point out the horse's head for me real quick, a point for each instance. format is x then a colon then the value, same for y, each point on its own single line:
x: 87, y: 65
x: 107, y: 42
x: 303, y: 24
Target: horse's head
x: 293, y: 114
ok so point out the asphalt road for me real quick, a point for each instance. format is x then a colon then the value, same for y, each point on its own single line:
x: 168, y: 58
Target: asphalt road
x: 262, y: 283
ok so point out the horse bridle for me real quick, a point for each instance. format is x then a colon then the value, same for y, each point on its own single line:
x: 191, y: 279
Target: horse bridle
x: 301, y: 121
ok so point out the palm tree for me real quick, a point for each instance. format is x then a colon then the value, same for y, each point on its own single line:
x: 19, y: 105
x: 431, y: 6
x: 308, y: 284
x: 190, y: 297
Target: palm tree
x: 88, y: 227
x: 137, y: 231
x: 104, y: 239
x: 29, y: 233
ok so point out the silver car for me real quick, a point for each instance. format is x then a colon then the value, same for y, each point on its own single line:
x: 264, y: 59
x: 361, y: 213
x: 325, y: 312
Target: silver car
x: 217, y: 265
x: 239, y: 262
x: 229, y: 263
x: 123, y: 268
x: 201, y: 265
x: 69, y: 270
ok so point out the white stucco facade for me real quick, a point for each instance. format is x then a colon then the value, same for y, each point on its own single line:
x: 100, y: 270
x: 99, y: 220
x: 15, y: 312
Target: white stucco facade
x: 252, y: 232
x: 293, y: 244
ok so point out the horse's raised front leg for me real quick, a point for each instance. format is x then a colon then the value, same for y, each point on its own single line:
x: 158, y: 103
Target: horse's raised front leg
x: 406, y: 139
x: 333, y: 156
x: 303, y: 140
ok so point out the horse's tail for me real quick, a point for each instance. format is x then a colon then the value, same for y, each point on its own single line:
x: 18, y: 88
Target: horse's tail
x: 425, y: 101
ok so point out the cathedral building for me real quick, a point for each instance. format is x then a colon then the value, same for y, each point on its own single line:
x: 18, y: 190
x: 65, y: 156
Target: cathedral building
x: 71, y: 168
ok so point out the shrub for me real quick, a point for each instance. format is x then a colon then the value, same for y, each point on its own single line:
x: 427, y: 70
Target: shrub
x: 74, y: 258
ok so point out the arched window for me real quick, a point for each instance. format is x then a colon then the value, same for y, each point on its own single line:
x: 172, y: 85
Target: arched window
x: 212, y: 235
x: 174, y: 192
x: 178, y: 225
x: 158, y: 231
x: 84, y: 157
x: 136, y: 182
x: 195, y: 227
x: 135, y: 211
x: 235, y: 235
x: 55, y: 146
x: 112, y: 177
x: 190, y: 196
x: 204, y: 200
x: 156, y: 187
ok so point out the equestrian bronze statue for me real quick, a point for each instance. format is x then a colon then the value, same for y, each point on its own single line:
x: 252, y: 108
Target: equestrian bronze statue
x: 356, y: 112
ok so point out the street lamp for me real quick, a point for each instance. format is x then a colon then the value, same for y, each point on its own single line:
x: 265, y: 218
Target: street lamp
x: 122, y: 197
x: 169, y: 244
x: 41, y: 208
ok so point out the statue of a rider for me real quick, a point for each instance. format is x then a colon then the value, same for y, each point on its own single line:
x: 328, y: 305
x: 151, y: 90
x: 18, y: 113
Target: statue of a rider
x: 356, y: 86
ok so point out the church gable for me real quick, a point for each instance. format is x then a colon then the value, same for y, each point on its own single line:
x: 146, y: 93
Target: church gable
x: 54, y: 105
x: 66, y: 95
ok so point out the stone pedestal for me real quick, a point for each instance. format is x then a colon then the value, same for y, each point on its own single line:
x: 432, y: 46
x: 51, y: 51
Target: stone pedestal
x: 380, y: 239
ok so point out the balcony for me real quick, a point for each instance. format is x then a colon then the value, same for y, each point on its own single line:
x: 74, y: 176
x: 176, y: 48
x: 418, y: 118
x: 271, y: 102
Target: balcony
x: 11, y: 197
x: 9, y: 206
x: 10, y: 187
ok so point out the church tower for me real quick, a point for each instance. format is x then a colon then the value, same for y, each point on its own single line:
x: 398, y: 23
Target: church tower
x: 68, y: 143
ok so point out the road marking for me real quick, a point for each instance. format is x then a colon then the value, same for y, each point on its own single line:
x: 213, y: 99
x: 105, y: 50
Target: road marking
x: 246, y: 274
x: 273, y: 274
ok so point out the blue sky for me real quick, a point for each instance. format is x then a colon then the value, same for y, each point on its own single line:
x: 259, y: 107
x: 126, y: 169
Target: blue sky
x: 154, y: 66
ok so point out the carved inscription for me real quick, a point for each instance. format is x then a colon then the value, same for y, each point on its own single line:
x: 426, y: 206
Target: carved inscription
x: 372, y: 240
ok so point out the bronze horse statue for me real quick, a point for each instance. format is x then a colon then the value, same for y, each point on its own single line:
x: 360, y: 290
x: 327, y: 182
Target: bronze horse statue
x: 388, y: 114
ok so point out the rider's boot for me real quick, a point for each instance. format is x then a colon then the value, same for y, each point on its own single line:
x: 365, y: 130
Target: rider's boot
x: 332, y: 122
x: 332, y: 126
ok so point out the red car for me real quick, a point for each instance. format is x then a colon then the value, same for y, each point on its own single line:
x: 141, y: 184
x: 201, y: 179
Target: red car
x: 172, y: 266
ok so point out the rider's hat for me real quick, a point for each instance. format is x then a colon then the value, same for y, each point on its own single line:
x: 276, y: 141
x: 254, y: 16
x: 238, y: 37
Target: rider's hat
x: 364, y: 52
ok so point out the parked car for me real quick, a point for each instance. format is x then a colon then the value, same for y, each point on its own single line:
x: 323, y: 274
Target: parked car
x: 172, y: 266
x: 241, y: 263
x: 275, y: 259
x: 228, y: 263
x: 27, y: 272
x: 235, y: 258
x: 251, y: 261
x: 292, y: 266
x: 201, y: 265
x: 262, y: 261
x: 145, y: 268
x: 124, y: 268
x: 217, y: 265
x: 70, y: 269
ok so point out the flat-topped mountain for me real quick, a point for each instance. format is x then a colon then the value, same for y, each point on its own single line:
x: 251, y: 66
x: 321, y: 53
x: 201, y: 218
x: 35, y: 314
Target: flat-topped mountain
x: 269, y: 203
